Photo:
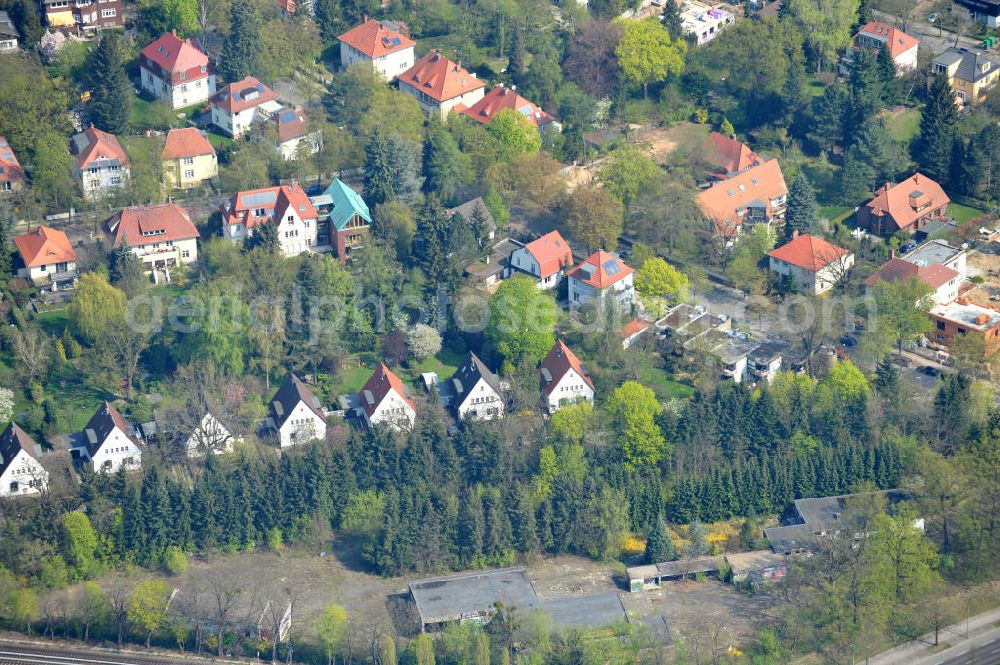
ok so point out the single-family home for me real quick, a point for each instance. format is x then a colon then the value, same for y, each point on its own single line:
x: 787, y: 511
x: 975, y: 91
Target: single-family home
x: 382, y: 45
x: 962, y: 317
x: 85, y: 16
x: 936, y: 263
x: 477, y: 392
x: 703, y: 22
x: 8, y: 34
x: 295, y: 135
x: 210, y: 436
x: 440, y: 85
x: 176, y: 71
x: 632, y: 331
x: 470, y: 211
x: 345, y: 215
x: 162, y: 236
x: 564, y: 380
x: 237, y: 106
x: 726, y: 157
x: 757, y: 195
x: 21, y: 472
x: 875, y: 36
x: 297, y: 413
x: 11, y: 173
x: 109, y: 443
x: 188, y: 159
x: 287, y: 206
x: 544, y: 259
x: 983, y: 11
x: 101, y: 168
x: 600, y: 277
x: 970, y: 72
x: 905, y: 206
x: 501, y: 98
x: 47, y: 258
x: 764, y: 362
x: 385, y: 402
x: 812, y: 264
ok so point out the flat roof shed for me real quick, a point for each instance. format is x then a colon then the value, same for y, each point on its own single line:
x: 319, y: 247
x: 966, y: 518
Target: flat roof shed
x: 471, y: 596
x: 592, y: 611
x: 650, y: 576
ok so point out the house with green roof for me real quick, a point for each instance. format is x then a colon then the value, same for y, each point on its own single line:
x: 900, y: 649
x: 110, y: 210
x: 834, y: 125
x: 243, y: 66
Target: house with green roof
x: 347, y: 215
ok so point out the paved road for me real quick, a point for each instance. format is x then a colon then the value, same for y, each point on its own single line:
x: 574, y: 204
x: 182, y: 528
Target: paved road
x: 928, y: 34
x: 12, y: 653
x: 983, y: 651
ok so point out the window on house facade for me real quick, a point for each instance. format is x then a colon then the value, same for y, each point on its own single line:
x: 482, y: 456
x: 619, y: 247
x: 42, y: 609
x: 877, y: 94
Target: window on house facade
x: 108, y: 13
x: 186, y: 254
x: 189, y: 173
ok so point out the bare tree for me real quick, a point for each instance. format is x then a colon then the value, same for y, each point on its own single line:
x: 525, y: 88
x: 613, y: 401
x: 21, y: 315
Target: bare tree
x: 123, y: 346
x: 119, y: 607
x: 224, y: 597
x: 33, y: 352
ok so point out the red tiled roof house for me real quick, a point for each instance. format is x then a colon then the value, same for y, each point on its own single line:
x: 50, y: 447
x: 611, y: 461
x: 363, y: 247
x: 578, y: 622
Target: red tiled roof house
x: 440, y: 85
x: 599, y: 277
x: 727, y: 157
x: 382, y: 45
x: 564, y: 380
x: 906, y: 206
x: 757, y: 195
x: 238, y: 105
x: 295, y: 135
x: 188, y: 159
x: 11, y: 173
x: 176, y: 71
x: 287, y: 206
x: 47, y: 258
x: 162, y: 236
x: 545, y: 259
x: 385, y: 402
x: 875, y: 36
x: 935, y: 263
x: 812, y: 264
x: 502, y: 98
x: 101, y: 164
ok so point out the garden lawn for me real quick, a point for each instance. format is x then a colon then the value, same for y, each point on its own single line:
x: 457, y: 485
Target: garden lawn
x: 962, y: 213
x: 832, y: 213
x: 219, y: 141
x: 814, y: 87
x: 904, y: 125
x: 351, y: 378
x: 443, y: 364
x: 149, y: 114
x: 662, y: 385
x: 55, y: 321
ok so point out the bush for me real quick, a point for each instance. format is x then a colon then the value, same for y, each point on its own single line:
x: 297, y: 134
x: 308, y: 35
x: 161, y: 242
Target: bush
x: 175, y: 561
x: 273, y: 537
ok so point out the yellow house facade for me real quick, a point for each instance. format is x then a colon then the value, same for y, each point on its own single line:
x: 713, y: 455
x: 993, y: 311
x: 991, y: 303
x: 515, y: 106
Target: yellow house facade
x: 970, y: 73
x: 188, y: 159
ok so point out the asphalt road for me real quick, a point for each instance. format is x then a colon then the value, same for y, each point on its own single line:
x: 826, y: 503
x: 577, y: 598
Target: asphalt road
x: 28, y: 655
x: 986, y: 652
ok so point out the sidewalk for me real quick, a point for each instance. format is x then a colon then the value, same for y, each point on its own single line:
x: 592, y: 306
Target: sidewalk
x: 915, y: 651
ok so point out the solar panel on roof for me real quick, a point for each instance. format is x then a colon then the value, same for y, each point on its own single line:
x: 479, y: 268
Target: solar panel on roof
x: 611, y: 267
x: 396, y: 41
x: 259, y: 199
x: 288, y: 116
x: 260, y: 87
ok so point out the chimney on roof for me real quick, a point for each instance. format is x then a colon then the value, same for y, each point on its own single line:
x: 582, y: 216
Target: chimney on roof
x: 173, y: 31
x: 916, y: 178
x: 366, y: 19
x: 982, y: 319
x: 892, y: 254
x: 795, y: 234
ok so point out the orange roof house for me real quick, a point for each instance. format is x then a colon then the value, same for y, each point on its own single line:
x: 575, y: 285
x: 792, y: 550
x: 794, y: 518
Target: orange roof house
x: 543, y: 258
x: 758, y: 194
x: 563, y: 378
x: 811, y: 263
x: 43, y: 247
x: 875, y: 36
x: 188, y: 159
x: 147, y: 225
x: 11, y: 173
x: 94, y: 148
x: 257, y: 206
x: 599, y: 276
x: 727, y: 156
x: 242, y: 95
x: 906, y: 206
x: 185, y: 143
x: 384, y: 400
x: 376, y: 38
x: 440, y: 85
x: 175, y: 60
x: 500, y: 98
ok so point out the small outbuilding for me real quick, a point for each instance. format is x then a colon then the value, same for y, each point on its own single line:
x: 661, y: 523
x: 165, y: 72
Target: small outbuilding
x: 651, y: 576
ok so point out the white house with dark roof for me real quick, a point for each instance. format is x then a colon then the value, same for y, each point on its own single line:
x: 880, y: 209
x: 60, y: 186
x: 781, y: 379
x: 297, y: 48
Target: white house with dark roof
x: 21, y: 472
x: 8, y: 34
x: 476, y: 391
x: 108, y: 442
x: 385, y: 402
x: 210, y: 436
x: 564, y: 381
x: 297, y: 413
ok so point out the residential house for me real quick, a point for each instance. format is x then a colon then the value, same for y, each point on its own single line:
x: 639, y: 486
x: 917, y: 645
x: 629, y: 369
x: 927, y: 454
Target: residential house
x: 488, y: 270
x: 188, y: 159
x: 287, y: 206
x: 469, y: 210
x: 764, y: 362
x: 385, y: 402
x: 730, y: 349
x: 633, y: 330
x: 382, y: 45
x: 503, y: 98
x: 727, y: 157
x: 176, y: 71
x: 440, y: 85
x: 983, y: 11
x: 237, y: 106
x: 906, y: 206
x: 11, y: 173
x: 210, y: 436
x: 8, y: 34
x: 756, y: 195
x: 162, y: 236
x: 703, y: 22
x: 345, y: 215
x: 960, y: 318
x: 21, y: 472
x: 47, y: 259
x: 109, y: 443
x: 102, y: 168
x: 544, y: 259
x: 936, y: 263
x: 477, y: 392
x: 970, y: 72
x: 86, y: 16
x: 875, y: 36
x: 599, y: 278
x: 297, y: 413
x: 812, y: 264
x: 295, y: 135
x: 564, y: 380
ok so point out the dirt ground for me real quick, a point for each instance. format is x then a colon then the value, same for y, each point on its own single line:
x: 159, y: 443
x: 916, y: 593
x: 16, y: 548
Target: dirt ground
x: 985, y: 263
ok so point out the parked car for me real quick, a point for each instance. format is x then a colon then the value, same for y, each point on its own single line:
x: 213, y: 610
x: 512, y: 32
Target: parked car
x: 932, y: 18
x: 907, y: 248
x: 930, y: 370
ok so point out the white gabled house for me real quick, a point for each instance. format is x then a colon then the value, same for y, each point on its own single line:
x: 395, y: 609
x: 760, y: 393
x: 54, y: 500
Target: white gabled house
x: 381, y: 45
x: 210, y: 436
x: 478, y: 394
x: 384, y: 401
x: 544, y: 259
x: 108, y: 442
x: 20, y: 471
x: 287, y: 206
x: 564, y: 380
x: 176, y: 71
x: 297, y: 413
x: 237, y: 106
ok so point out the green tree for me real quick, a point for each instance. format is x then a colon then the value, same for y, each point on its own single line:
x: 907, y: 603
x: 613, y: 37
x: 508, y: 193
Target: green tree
x: 932, y: 149
x: 659, y: 546
x: 25, y: 16
x: 594, y: 216
x: 387, y: 651
x: 633, y: 409
x: 801, y: 213
x: 6, y: 258
x: 445, y: 168
x: 660, y: 285
x: 96, y: 307
x: 647, y: 54
x: 111, y: 91
x: 331, y: 630
x: 51, y: 170
x: 264, y: 239
x: 23, y: 607
x: 243, y: 45
x: 147, y: 607
x: 875, y: 147
x: 900, y: 316
x: 888, y: 76
x: 431, y: 242
x: 828, y: 113
x: 92, y: 606
x: 423, y: 649
x: 628, y: 172
x: 125, y: 268
x: 514, y: 133
x: 160, y: 16
x: 698, y: 535
x: 497, y: 207
x: 80, y: 541
x: 671, y: 18
x: 826, y: 26
x: 522, y: 321
x: 571, y: 423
